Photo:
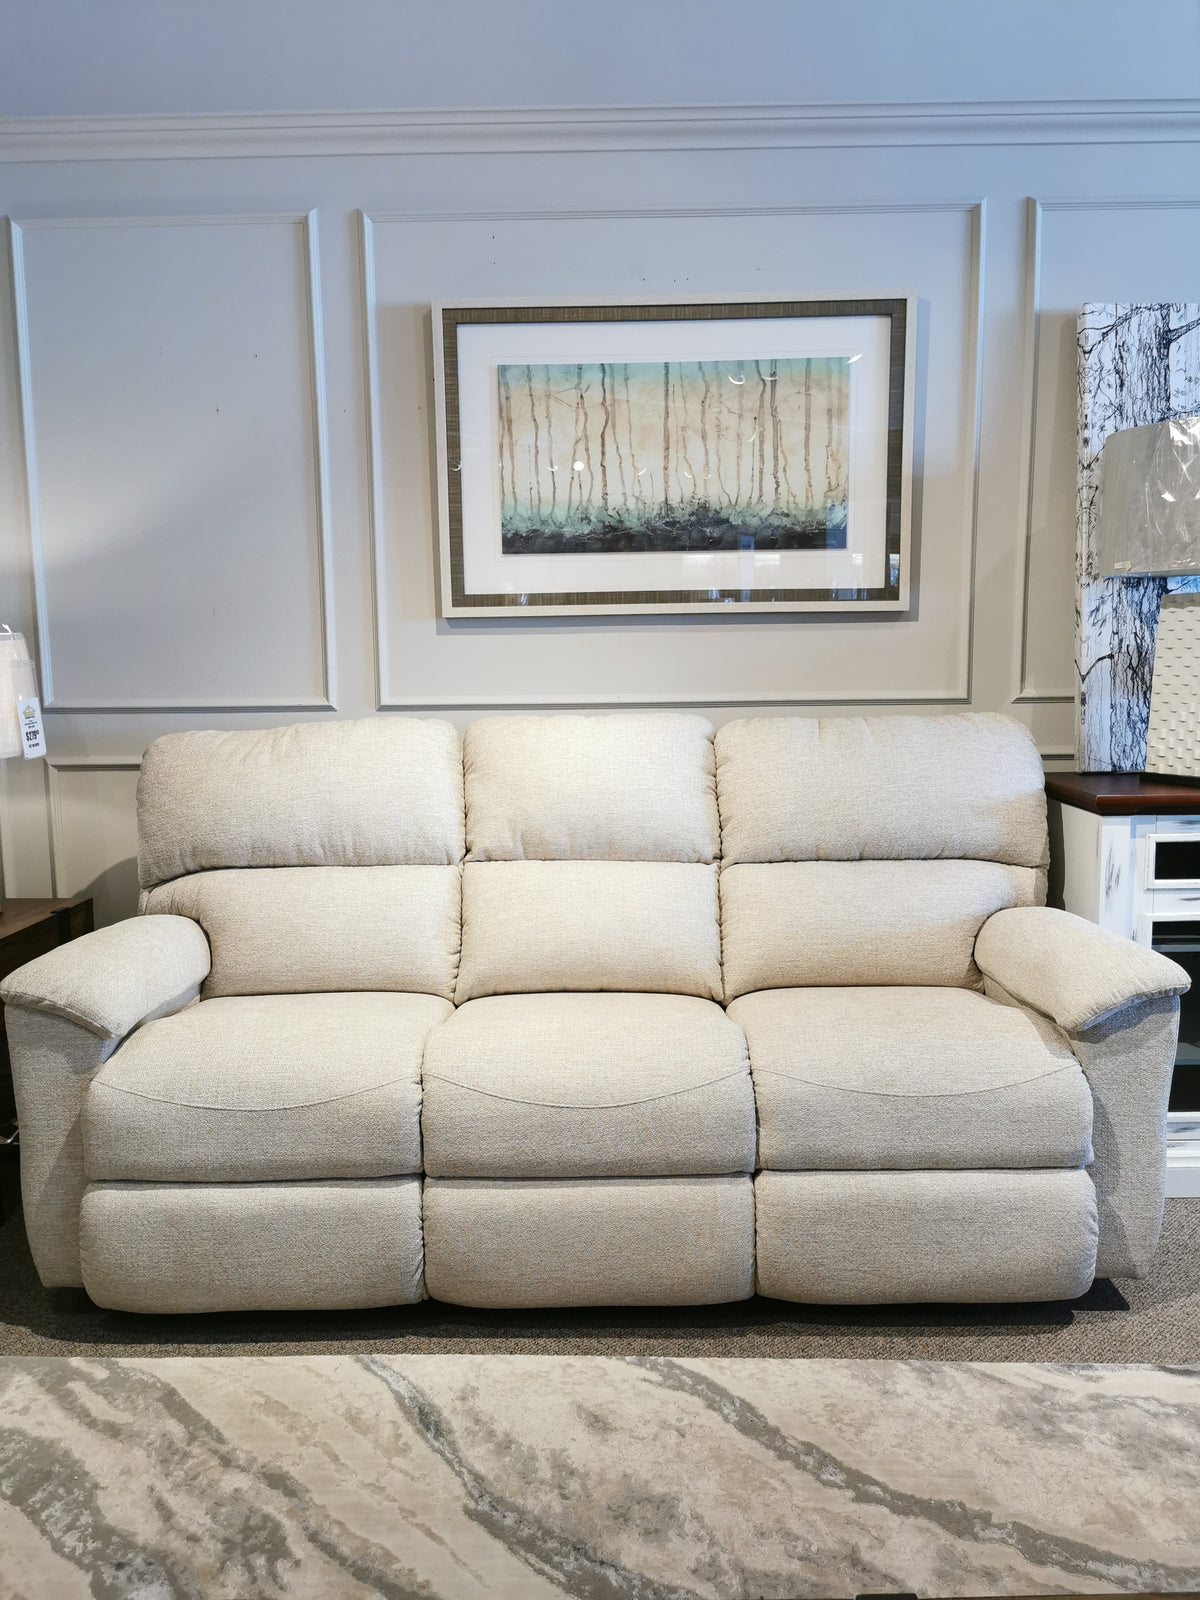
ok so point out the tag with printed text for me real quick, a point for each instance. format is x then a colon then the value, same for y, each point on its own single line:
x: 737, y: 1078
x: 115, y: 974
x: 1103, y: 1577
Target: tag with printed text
x: 29, y: 720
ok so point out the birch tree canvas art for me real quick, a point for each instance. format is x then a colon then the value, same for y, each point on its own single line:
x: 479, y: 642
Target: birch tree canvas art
x: 608, y: 457
x: 1136, y: 364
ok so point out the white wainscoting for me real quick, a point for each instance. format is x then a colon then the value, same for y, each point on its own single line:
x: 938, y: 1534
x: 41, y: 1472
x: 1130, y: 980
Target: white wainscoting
x: 173, y: 411
x: 216, y: 465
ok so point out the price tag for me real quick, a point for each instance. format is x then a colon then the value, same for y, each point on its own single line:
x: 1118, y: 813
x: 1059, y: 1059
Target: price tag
x: 29, y: 720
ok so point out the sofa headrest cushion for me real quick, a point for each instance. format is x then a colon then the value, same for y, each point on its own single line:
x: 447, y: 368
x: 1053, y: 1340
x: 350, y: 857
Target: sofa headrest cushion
x: 629, y: 787
x: 881, y: 788
x: 384, y: 791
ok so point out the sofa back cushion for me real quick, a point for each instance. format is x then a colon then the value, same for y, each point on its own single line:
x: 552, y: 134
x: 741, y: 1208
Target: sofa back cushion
x: 592, y: 856
x: 323, y: 856
x: 308, y: 930
x: 871, y: 850
x: 385, y: 791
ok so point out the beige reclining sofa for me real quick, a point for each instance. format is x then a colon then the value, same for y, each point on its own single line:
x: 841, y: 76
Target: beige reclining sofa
x: 585, y: 1010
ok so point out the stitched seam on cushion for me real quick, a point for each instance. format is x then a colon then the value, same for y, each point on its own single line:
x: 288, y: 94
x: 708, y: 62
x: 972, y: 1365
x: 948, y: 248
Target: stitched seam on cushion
x: 598, y: 1105
x: 931, y: 1094
x: 292, y: 1105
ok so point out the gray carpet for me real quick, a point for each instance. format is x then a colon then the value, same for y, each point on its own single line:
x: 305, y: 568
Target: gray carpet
x: 1154, y: 1319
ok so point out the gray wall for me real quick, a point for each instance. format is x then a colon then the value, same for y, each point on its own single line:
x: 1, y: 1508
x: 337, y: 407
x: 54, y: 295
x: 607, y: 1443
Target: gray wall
x: 216, y: 490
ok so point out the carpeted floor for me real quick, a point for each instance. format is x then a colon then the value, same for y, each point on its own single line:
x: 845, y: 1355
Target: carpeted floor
x: 1154, y: 1319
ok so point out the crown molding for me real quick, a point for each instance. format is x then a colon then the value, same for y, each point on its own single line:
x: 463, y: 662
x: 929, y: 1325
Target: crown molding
x: 571, y: 129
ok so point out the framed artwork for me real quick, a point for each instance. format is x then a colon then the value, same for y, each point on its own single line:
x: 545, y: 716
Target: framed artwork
x: 729, y: 456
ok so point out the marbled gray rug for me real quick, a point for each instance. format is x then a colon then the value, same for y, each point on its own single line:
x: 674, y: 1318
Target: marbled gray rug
x: 331, y: 1477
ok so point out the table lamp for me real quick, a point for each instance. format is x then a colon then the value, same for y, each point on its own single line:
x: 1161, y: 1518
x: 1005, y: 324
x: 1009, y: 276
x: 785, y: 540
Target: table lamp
x: 1150, y: 527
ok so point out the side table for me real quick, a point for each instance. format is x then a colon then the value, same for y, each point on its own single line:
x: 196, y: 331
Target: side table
x: 1125, y: 852
x: 29, y: 928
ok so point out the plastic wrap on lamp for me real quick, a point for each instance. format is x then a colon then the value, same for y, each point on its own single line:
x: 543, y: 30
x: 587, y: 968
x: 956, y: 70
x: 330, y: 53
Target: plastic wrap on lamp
x: 17, y: 680
x: 1150, y: 500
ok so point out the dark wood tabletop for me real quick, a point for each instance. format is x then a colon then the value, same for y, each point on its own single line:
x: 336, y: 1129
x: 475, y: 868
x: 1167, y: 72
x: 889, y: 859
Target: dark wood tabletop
x: 17, y: 915
x: 1123, y: 794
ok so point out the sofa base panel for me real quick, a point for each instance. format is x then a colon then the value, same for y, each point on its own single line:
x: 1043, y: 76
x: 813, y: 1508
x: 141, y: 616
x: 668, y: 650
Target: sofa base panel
x: 871, y: 1238
x: 185, y: 1247
x: 589, y: 1241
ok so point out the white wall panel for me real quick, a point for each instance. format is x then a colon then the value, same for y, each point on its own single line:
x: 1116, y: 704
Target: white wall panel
x: 931, y: 250
x: 173, y: 416
x: 93, y: 834
x: 226, y: 55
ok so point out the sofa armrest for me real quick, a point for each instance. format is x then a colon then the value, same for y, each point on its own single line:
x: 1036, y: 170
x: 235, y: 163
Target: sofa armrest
x: 110, y: 980
x: 1069, y: 969
x: 67, y: 1013
x: 1118, y: 1004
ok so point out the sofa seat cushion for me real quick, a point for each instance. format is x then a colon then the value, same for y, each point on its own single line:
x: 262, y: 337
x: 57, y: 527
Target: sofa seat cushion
x: 265, y: 1087
x: 892, y: 1077
x: 603, y: 1242
x: 587, y: 1085
x: 878, y: 1238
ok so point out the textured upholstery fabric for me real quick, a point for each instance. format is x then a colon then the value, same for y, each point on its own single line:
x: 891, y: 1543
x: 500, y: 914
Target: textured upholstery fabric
x: 385, y: 791
x: 855, y: 788
x: 845, y: 923
x: 1128, y: 1060
x: 886, y: 1078
x: 587, y: 1242
x: 287, y: 930
x: 112, y: 979
x: 1069, y: 968
x: 53, y: 1061
x: 252, y: 1246
x: 871, y: 1238
x: 587, y: 1085
x: 628, y: 787
x: 264, y: 1088
x: 630, y: 925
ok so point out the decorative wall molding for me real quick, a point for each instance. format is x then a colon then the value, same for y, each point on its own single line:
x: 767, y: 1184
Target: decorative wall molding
x: 557, y: 129
x: 53, y: 768
x: 960, y: 694
x: 1024, y: 694
x: 327, y: 701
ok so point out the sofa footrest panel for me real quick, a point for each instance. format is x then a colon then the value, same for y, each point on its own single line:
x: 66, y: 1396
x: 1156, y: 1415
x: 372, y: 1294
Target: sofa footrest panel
x: 589, y: 1241
x: 176, y: 1247
x: 870, y: 1238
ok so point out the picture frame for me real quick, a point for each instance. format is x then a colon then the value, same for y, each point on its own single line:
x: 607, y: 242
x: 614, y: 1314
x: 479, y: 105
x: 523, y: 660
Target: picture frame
x: 665, y: 457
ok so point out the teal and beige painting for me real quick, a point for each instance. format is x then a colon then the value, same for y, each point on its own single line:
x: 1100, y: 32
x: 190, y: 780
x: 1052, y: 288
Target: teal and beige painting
x: 598, y: 457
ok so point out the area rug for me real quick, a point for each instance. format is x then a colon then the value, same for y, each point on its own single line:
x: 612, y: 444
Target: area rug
x: 346, y: 1477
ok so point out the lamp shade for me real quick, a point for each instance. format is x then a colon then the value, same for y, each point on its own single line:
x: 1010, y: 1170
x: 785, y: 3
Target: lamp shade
x: 1150, y: 500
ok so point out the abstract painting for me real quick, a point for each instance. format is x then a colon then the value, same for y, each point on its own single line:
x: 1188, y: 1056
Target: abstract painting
x: 674, y: 455
x: 660, y: 457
